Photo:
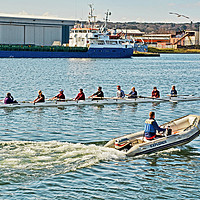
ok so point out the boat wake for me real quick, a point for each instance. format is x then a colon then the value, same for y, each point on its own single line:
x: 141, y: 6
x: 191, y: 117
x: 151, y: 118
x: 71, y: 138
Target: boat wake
x: 19, y: 160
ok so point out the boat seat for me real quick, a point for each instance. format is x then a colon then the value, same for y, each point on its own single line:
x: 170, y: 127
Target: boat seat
x: 182, y: 124
x: 137, y: 141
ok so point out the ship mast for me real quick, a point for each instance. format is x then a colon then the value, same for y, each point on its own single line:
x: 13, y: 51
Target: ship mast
x: 91, y: 17
x: 108, y: 13
x: 104, y: 27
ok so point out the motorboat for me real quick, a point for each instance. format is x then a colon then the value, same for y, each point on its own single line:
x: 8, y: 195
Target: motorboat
x: 180, y: 131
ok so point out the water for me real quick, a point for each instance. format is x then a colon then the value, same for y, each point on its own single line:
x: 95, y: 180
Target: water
x: 53, y: 153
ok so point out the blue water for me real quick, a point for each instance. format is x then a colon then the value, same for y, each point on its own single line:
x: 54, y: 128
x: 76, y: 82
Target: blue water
x: 54, y: 153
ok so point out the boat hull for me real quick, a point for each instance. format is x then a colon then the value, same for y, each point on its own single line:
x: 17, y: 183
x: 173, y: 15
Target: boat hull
x: 184, y: 98
x: 91, y: 102
x: 166, y: 144
x: 184, y: 130
x: 79, y: 103
x: 91, y: 53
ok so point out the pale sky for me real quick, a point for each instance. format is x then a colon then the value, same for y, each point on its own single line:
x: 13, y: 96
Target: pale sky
x: 122, y: 10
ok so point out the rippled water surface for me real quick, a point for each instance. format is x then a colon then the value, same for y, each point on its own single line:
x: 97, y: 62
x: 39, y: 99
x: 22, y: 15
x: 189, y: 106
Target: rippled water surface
x: 58, y: 153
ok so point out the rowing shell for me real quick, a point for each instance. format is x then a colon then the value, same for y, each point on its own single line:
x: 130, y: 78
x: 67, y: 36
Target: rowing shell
x: 183, y: 98
x: 81, y: 102
x: 98, y: 102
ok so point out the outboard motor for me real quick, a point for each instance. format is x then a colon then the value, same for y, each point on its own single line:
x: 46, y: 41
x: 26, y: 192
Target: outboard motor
x: 122, y: 144
x: 169, y: 130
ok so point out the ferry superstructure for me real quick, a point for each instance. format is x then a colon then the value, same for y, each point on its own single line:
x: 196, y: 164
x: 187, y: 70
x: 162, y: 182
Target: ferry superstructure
x: 98, y: 39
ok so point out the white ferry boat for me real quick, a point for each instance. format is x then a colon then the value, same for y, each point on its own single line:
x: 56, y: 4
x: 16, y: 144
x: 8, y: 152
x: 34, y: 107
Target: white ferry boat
x: 98, y: 40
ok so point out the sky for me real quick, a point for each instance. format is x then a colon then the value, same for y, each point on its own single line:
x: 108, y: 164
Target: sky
x: 122, y: 10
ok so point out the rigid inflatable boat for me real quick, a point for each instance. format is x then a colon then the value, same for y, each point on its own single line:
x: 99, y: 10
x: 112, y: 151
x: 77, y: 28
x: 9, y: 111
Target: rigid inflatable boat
x: 180, y: 131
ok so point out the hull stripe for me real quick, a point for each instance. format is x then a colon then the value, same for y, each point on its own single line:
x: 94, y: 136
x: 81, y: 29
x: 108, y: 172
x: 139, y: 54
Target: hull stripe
x: 184, y: 141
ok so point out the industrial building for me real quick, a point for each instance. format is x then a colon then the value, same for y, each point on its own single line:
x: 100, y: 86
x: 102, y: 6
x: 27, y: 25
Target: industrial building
x: 32, y: 30
x: 180, y: 39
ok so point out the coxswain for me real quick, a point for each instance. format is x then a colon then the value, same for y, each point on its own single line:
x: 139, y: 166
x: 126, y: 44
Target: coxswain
x: 40, y: 98
x: 151, y: 126
x: 155, y: 93
x: 120, y: 92
x: 80, y: 96
x: 97, y: 94
x: 132, y: 94
x: 9, y: 99
x: 173, y: 92
x: 60, y: 96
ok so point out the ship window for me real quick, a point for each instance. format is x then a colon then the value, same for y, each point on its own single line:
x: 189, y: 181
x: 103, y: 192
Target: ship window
x: 113, y: 51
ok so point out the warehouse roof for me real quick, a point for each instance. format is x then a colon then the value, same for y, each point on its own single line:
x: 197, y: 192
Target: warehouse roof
x: 17, y: 18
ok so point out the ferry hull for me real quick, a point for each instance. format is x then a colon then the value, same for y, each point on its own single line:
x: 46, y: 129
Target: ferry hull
x: 91, y: 53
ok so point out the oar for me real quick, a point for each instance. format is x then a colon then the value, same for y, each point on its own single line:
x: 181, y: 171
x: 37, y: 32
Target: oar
x: 65, y: 100
x: 114, y: 98
x: 25, y: 101
x: 181, y: 95
x: 153, y: 98
x: 185, y: 95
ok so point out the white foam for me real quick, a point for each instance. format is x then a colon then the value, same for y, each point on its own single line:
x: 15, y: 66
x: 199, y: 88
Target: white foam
x: 57, y: 157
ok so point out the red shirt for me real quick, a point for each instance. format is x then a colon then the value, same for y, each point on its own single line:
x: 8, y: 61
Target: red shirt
x: 155, y: 94
x: 80, y: 96
x: 60, y: 96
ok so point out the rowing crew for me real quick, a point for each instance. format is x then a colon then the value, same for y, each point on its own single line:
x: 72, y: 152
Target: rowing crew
x: 133, y: 94
x: 81, y: 96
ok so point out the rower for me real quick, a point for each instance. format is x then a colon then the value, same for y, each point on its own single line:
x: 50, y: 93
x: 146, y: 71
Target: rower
x: 60, y: 96
x: 80, y: 96
x: 173, y: 92
x: 151, y: 126
x: 40, y: 98
x: 9, y: 99
x: 120, y: 92
x: 155, y: 93
x: 132, y: 94
x: 99, y: 93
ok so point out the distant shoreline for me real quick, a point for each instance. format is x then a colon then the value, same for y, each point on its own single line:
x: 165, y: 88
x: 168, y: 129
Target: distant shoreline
x: 173, y: 51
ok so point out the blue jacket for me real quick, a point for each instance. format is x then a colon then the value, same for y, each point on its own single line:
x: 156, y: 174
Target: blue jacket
x: 150, y: 128
x: 173, y: 93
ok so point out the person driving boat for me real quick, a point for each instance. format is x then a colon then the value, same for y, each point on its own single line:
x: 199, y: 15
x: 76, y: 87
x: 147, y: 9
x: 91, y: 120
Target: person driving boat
x: 151, y: 126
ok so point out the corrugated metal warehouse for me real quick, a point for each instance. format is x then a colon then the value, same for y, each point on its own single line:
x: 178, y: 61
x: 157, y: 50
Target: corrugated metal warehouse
x: 33, y: 30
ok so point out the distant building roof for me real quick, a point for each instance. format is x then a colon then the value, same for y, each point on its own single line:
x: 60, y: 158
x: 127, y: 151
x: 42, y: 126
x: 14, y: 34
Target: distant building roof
x: 17, y: 18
